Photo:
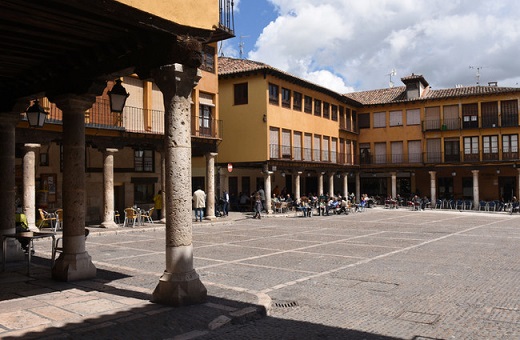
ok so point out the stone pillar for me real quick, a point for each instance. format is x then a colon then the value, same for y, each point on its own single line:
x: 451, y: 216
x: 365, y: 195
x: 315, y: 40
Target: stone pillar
x: 331, y: 184
x: 345, y: 184
x: 475, y: 188
x: 8, y: 122
x: 74, y: 263
x: 163, y: 185
x: 267, y: 186
x: 358, y: 187
x: 517, y: 194
x: 210, y: 178
x: 433, y: 188
x: 29, y: 184
x: 108, y: 189
x: 297, y: 190
x: 394, y: 184
x: 179, y: 284
x: 320, y: 183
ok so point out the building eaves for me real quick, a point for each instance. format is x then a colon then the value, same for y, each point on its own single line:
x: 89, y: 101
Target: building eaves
x: 231, y: 67
x: 398, y: 94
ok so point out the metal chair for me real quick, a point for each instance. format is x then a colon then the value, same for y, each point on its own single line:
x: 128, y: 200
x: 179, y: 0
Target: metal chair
x: 59, y: 220
x: 46, y: 217
x: 130, y: 216
x: 147, y: 215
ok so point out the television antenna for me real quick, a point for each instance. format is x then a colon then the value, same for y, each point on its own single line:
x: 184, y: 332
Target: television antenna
x: 241, y: 45
x: 477, y: 74
x: 392, y: 73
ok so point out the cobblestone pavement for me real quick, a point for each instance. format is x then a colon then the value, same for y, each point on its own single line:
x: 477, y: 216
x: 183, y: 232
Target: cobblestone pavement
x: 380, y: 274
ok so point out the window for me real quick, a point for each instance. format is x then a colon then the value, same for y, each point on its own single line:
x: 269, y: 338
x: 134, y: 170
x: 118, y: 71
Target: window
x: 307, y: 104
x: 471, y: 149
x: 490, y: 148
x: 397, y: 152
x: 509, y: 147
x: 433, y: 150
x: 432, y: 118
x: 274, y: 143
x: 413, y: 117
x: 317, y: 107
x: 354, y: 120
x: 316, y: 148
x: 348, y: 119
x: 286, y: 144
x: 451, y: 118
x: 205, y: 120
x: 470, y: 116
x: 380, y: 153
x: 489, y: 114
x: 144, y: 190
x: 326, y: 110
x: 334, y: 112
x: 414, y: 151
x: 286, y: 97
x: 307, y: 147
x: 325, y: 149
x: 273, y: 94
x: 396, y: 118
x: 143, y: 161
x: 379, y: 119
x: 241, y: 95
x: 452, y: 150
x: 297, y: 140
x: 364, y: 153
x: 509, y: 112
x: 364, y: 121
x: 333, y: 150
x: 208, y: 59
x: 297, y: 101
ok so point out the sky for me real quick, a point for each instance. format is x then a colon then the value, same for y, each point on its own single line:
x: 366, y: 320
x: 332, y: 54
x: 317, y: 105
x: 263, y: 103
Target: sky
x: 355, y: 45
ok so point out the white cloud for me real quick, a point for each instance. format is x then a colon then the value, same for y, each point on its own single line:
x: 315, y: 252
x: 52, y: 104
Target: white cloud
x: 346, y: 44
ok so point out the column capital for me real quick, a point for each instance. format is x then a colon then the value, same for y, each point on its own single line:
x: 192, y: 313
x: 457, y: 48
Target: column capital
x: 111, y: 150
x: 475, y: 172
x: 11, y: 118
x: 212, y: 154
x: 176, y: 79
x: 432, y: 173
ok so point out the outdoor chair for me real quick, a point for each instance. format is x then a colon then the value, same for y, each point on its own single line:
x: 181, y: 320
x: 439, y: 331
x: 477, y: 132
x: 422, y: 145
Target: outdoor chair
x: 46, y: 218
x: 117, y: 217
x: 130, y: 216
x: 58, y: 225
x: 147, y: 215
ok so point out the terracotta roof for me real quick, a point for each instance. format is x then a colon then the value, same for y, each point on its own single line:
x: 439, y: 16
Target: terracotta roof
x: 230, y: 67
x: 398, y: 94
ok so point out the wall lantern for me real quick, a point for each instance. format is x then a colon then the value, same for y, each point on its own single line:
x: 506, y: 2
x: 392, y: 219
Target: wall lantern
x: 283, y: 174
x: 454, y: 174
x: 36, y: 114
x: 118, y: 97
x: 498, y: 171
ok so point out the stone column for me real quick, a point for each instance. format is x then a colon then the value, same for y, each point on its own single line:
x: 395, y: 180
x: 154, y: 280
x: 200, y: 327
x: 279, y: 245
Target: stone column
x: 331, y: 184
x: 297, y: 190
x: 210, y: 178
x: 345, y: 184
x: 108, y: 189
x: 517, y: 194
x: 163, y: 185
x: 29, y: 184
x: 320, y: 183
x: 74, y: 263
x: 8, y: 122
x: 394, y: 184
x: 179, y: 284
x: 475, y: 188
x: 433, y: 188
x: 267, y: 189
x: 358, y: 187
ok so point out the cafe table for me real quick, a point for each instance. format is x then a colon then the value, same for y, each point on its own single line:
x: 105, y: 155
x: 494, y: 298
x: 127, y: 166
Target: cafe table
x: 29, y: 236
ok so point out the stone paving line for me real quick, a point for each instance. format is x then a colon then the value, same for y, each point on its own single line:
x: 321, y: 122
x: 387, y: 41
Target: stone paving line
x: 38, y: 307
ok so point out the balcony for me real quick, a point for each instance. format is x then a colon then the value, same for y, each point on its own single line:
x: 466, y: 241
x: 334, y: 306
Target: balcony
x: 281, y: 152
x: 135, y: 120
x: 226, y: 25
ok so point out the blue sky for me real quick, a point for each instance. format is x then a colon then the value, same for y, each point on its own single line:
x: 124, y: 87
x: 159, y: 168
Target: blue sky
x: 353, y: 45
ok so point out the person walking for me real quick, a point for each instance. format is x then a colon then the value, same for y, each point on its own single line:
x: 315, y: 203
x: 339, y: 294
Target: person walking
x: 157, y: 199
x: 258, y: 206
x: 261, y: 192
x: 199, y: 203
x: 225, y: 197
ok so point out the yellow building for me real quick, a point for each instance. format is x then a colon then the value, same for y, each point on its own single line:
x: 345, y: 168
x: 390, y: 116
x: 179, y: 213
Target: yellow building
x: 451, y: 144
x: 282, y: 133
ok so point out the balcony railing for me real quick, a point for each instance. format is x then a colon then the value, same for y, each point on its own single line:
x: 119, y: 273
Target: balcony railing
x: 306, y: 154
x: 136, y: 120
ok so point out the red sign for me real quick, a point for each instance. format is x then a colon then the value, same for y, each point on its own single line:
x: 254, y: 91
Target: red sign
x: 229, y: 167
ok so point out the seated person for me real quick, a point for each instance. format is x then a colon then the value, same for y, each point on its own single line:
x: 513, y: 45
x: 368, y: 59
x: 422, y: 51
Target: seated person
x: 22, y: 226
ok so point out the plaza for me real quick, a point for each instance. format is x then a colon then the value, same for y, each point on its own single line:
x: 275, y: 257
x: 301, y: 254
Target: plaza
x: 379, y: 274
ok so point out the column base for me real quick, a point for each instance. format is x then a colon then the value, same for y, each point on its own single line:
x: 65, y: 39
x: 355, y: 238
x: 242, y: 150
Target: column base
x: 13, y: 251
x: 109, y: 225
x: 73, y: 267
x: 211, y: 218
x: 179, y: 289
